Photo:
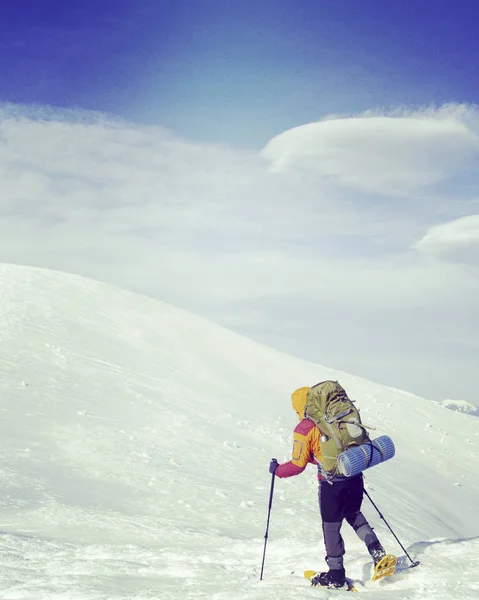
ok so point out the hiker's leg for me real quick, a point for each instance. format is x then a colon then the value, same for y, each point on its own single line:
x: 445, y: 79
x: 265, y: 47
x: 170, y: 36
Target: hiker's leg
x: 358, y: 521
x: 330, y: 506
x: 333, y: 544
x: 363, y: 529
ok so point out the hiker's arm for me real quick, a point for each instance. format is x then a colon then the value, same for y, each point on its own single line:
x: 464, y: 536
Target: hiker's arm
x: 301, y: 456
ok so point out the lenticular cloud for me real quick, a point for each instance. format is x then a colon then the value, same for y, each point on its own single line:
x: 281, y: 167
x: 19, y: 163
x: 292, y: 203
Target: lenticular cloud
x: 390, y: 155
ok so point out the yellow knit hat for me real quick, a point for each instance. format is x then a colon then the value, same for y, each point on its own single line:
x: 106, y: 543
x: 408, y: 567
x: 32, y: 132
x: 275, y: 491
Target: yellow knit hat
x: 298, y: 399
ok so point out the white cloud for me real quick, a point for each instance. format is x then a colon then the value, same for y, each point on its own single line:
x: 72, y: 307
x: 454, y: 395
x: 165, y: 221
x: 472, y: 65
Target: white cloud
x: 457, y: 241
x: 295, y: 258
x: 393, y: 155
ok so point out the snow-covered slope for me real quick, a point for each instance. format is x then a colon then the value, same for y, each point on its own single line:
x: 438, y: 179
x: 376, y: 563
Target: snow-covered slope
x: 134, y: 449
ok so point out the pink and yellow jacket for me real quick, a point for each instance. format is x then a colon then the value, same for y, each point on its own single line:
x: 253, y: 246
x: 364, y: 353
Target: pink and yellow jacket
x: 306, y: 449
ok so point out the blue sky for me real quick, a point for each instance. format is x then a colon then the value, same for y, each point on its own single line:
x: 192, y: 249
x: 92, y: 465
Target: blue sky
x: 303, y: 172
x: 207, y: 69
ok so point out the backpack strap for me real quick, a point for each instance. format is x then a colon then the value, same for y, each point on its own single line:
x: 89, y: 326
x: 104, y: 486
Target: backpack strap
x: 338, y: 417
x: 373, y: 448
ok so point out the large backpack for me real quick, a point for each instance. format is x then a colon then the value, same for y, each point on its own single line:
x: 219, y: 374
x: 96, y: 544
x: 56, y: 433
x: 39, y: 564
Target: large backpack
x: 329, y: 407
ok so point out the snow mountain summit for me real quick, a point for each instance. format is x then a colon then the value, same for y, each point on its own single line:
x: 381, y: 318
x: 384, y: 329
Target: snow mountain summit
x: 135, y: 440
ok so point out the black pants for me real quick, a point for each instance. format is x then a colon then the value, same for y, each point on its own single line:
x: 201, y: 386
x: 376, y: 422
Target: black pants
x: 341, y: 500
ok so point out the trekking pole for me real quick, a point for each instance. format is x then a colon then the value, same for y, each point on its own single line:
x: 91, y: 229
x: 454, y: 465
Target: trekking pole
x: 414, y: 563
x: 267, y: 522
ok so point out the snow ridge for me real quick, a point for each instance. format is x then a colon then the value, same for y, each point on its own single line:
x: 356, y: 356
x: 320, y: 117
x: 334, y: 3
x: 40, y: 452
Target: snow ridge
x: 134, y: 448
x: 461, y: 406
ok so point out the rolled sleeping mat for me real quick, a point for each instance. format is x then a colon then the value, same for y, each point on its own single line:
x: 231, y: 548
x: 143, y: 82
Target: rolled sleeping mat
x: 359, y: 458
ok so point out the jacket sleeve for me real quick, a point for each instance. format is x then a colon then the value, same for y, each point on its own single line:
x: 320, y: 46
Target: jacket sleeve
x: 301, y: 456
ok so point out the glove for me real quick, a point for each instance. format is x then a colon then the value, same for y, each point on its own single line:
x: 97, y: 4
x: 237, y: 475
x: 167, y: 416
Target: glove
x: 273, y: 465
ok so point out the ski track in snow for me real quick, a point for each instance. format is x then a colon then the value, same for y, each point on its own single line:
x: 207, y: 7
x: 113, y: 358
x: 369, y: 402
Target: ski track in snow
x: 134, y: 446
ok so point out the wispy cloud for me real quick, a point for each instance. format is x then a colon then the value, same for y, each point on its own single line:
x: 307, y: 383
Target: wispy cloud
x: 327, y: 255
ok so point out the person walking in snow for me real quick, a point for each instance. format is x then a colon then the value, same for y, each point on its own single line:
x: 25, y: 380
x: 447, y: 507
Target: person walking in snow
x: 339, y: 498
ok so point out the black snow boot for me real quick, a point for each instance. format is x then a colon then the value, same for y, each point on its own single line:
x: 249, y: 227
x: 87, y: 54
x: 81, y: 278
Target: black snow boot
x: 334, y: 578
x: 376, y: 551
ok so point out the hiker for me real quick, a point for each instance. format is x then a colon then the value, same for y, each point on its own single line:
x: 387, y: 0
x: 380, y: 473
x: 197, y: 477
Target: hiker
x: 339, y: 497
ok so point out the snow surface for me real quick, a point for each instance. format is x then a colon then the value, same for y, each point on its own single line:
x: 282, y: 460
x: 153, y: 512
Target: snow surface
x: 135, y: 441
